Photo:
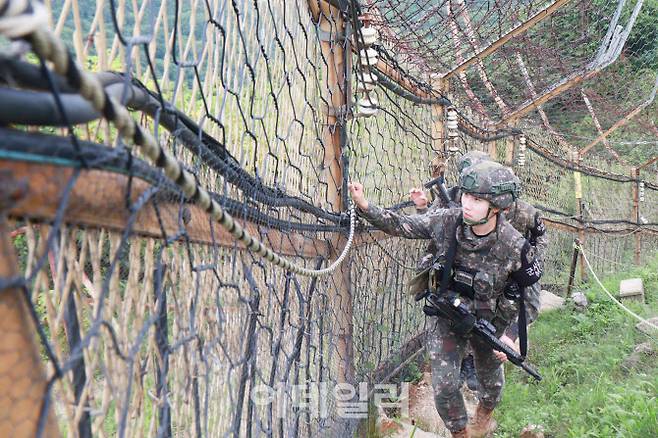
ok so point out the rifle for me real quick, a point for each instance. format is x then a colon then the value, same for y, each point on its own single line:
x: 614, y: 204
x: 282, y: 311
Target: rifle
x: 443, y: 193
x: 439, y: 181
x: 449, y: 306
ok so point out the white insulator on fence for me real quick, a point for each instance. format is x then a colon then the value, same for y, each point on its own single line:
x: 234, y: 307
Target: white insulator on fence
x: 370, y: 35
x: 368, y: 57
x: 522, y: 145
x: 451, y: 123
x: 640, y: 190
x: 366, y: 81
x: 367, y: 106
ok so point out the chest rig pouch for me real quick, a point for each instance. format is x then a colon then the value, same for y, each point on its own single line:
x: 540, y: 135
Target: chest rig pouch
x: 436, y: 278
x: 463, y: 282
x: 425, y: 281
x: 459, y: 278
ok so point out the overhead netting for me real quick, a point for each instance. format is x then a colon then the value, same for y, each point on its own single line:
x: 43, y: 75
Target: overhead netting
x: 191, y: 266
x: 582, y: 67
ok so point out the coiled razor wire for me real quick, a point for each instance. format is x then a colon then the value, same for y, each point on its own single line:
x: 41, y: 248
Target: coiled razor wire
x: 21, y: 19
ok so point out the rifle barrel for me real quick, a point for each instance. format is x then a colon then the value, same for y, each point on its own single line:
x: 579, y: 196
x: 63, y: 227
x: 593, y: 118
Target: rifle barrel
x: 528, y: 369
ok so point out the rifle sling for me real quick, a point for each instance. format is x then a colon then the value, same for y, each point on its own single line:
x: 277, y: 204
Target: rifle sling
x: 523, y: 325
x: 450, y: 258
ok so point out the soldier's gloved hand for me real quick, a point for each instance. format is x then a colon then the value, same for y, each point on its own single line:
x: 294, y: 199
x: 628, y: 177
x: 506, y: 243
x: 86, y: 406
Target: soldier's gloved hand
x: 531, y: 267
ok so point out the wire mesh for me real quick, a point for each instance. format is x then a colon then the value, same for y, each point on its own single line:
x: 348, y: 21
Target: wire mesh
x: 154, y: 321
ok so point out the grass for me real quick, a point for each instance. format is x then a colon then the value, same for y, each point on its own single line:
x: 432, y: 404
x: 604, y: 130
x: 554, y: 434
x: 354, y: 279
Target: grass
x: 586, y: 390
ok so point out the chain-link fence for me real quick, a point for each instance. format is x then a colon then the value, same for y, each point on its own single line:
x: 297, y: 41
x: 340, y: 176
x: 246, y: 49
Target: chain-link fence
x: 150, y: 315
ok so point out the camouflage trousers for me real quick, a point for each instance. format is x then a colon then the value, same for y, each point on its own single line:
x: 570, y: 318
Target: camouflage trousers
x: 446, y: 350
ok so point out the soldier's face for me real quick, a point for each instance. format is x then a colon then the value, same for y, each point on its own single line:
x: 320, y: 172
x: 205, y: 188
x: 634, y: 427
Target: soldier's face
x: 474, y: 208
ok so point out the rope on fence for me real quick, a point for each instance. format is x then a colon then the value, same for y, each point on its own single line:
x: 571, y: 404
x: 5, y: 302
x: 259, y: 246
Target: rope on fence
x: 615, y: 300
x: 46, y: 45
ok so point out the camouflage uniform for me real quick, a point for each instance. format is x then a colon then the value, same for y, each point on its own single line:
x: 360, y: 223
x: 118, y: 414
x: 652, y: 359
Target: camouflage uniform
x: 490, y: 260
x: 438, y: 203
x: 527, y: 220
x: 466, y: 160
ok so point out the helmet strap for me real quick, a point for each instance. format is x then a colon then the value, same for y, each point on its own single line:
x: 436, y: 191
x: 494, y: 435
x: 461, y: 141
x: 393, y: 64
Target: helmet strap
x: 482, y: 221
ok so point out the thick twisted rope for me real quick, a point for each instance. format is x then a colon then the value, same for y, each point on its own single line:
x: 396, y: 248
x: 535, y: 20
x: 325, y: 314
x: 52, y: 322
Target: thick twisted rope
x: 23, y: 19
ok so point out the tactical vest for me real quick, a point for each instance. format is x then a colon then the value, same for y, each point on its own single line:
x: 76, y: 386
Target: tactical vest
x: 487, y: 268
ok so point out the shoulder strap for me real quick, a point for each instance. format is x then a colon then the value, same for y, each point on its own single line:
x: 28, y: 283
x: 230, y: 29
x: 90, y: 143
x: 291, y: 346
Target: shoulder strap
x: 523, y: 324
x: 450, y: 256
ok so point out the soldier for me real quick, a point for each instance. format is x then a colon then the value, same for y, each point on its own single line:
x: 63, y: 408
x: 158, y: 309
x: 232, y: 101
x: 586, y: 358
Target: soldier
x: 524, y: 217
x: 467, y: 369
x: 420, y: 200
x: 488, y: 250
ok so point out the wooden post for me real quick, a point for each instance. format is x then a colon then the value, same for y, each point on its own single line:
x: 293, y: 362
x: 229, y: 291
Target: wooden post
x: 439, y: 135
x: 492, y: 150
x: 336, y: 52
x: 23, y: 382
x: 509, y: 151
x: 572, y: 270
x: 635, y: 216
x: 578, y: 191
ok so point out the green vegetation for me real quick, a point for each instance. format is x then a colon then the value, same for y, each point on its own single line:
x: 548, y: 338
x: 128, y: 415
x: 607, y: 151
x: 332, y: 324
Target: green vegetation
x: 588, y: 390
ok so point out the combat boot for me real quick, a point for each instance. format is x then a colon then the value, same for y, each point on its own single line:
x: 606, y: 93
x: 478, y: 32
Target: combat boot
x: 482, y: 425
x: 467, y: 373
x: 464, y: 433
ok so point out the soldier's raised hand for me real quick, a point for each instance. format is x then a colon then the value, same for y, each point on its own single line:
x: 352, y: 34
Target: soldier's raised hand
x: 356, y: 190
x: 418, y: 197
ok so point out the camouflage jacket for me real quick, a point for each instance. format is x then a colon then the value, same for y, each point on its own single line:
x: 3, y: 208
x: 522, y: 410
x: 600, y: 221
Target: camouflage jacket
x: 524, y: 217
x: 489, y: 259
x: 438, y: 203
x: 527, y: 220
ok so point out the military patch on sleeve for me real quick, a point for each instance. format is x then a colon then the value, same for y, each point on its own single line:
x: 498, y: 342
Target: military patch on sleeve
x: 531, y: 268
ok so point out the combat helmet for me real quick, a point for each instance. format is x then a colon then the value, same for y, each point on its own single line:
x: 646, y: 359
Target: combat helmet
x: 491, y: 181
x: 471, y: 158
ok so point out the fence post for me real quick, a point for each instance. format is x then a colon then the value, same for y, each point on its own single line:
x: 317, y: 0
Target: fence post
x: 23, y: 382
x: 574, y: 262
x: 492, y: 150
x: 635, y: 216
x: 578, y: 191
x: 439, y: 135
x: 336, y: 53
x: 509, y: 151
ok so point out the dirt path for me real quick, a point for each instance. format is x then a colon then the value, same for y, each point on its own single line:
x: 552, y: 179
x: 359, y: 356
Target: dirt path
x: 422, y: 413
